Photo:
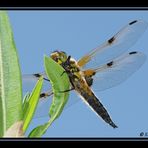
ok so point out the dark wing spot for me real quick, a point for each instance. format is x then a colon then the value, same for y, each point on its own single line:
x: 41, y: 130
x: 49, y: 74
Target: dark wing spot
x: 110, y: 64
x: 42, y: 95
x: 110, y: 41
x: 133, y: 52
x: 37, y: 75
x: 133, y: 22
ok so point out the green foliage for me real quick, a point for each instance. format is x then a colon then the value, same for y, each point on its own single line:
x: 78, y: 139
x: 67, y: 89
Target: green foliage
x: 16, y: 113
x: 30, y: 103
x: 60, y: 82
x: 10, y: 78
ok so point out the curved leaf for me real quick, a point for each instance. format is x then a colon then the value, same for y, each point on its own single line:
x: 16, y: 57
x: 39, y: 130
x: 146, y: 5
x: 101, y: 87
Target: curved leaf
x: 60, y: 82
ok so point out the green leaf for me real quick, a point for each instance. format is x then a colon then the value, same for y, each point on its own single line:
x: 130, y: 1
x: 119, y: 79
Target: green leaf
x: 30, y: 103
x: 25, y: 102
x: 60, y: 82
x: 10, y: 77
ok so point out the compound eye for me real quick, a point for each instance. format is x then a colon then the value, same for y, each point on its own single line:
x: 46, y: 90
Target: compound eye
x: 56, y: 59
x: 63, y: 56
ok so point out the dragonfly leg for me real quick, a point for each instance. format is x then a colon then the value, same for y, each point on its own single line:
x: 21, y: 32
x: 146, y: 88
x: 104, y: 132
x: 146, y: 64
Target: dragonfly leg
x: 46, y: 94
x: 39, y: 75
x: 67, y: 90
x: 67, y: 62
x: 63, y: 73
x: 46, y: 79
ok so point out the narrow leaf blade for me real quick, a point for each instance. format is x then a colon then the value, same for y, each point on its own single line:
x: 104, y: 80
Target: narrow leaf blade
x: 30, y: 103
x: 10, y: 77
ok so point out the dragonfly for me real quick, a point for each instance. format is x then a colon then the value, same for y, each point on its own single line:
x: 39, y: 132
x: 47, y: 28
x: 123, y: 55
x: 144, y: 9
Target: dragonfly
x: 101, y: 68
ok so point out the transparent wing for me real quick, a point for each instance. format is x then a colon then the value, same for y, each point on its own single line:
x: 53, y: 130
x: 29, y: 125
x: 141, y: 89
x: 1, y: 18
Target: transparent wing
x: 117, y: 71
x: 29, y: 81
x: 107, y: 76
x: 44, y: 105
x: 115, y: 46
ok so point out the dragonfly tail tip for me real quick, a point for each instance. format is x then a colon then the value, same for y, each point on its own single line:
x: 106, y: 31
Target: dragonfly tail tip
x: 113, y: 125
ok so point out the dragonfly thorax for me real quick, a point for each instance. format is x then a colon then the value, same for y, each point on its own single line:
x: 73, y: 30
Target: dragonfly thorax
x: 69, y: 64
x: 71, y: 67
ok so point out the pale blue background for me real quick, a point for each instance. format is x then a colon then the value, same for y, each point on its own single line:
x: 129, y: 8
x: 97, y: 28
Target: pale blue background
x: 76, y: 32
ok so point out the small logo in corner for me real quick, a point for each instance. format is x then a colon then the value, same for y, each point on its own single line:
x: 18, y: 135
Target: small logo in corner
x: 143, y: 134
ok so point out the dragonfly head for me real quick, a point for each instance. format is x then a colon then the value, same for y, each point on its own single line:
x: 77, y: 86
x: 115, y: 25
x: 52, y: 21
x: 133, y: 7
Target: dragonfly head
x: 59, y: 56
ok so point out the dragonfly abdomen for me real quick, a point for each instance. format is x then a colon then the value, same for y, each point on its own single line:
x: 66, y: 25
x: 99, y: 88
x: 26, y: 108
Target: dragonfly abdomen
x: 91, y: 100
x: 80, y: 83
